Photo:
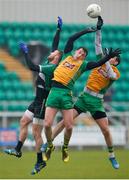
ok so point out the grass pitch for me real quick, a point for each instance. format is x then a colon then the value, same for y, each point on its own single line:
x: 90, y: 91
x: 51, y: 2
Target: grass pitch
x: 88, y: 164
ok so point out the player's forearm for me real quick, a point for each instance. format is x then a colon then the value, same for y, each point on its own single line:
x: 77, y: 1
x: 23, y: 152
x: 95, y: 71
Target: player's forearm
x: 111, y: 74
x: 98, y: 45
x: 30, y: 64
x: 81, y: 33
x: 95, y: 64
x: 70, y: 42
x: 56, y: 39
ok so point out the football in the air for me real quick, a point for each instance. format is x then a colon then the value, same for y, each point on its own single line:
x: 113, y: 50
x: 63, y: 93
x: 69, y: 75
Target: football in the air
x: 93, y: 10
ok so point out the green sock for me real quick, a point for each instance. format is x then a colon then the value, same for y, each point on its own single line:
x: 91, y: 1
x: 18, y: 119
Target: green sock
x: 66, y: 142
x: 110, y: 149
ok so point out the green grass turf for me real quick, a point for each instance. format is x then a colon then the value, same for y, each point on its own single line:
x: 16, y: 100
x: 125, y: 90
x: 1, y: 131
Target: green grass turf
x: 88, y: 164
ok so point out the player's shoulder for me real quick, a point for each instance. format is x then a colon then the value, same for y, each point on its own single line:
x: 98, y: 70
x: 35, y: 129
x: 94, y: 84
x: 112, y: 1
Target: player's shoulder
x: 116, y: 70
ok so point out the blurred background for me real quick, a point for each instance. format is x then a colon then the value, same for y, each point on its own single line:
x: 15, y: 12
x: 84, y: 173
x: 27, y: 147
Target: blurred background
x: 35, y: 23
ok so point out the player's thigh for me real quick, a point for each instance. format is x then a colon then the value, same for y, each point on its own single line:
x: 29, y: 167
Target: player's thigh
x: 66, y: 100
x: 75, y: 113
x: 93, y: 103
x: 50, y: 114
x: 103, y: 123
x: 53, y: 98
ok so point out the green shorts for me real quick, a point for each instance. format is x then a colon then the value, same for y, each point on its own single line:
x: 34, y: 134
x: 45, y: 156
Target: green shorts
x: 60, y: 98
x: 87, y: 102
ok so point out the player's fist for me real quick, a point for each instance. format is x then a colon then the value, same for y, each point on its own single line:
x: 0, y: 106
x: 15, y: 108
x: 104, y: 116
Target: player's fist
x: 23, y: 47
x: 59, y: 22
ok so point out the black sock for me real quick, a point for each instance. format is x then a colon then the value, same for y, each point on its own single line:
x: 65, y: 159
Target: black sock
x: 19, y: 146
x: 39, y: 157
x: 110, y: 149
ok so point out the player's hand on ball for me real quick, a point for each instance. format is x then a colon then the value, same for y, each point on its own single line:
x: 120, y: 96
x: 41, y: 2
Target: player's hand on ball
x: 60, y: 23
x: 99, y: 23
x: 23, y: 47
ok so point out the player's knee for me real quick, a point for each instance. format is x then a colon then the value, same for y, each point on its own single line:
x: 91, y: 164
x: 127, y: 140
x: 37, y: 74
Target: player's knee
x: 24, y: 122
x: 69, y: 126
x: 105, y: 131
x: 47, y: 124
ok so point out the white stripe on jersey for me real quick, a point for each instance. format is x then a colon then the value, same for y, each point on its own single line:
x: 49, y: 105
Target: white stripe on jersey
x: 42, y: 76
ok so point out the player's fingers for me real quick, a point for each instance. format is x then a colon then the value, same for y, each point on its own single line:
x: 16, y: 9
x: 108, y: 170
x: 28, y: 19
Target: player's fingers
x: 118, y: 50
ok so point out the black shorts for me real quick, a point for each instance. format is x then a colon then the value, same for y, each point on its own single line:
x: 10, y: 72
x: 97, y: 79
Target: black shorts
x: 96, y: 115
x: 38, y: 105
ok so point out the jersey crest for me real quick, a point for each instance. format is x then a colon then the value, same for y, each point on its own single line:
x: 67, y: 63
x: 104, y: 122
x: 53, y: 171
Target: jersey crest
x: 68, y: 65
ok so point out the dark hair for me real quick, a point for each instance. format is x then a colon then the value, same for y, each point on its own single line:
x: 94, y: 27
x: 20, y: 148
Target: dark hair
x: 118, y: 59
x: 84, y: 49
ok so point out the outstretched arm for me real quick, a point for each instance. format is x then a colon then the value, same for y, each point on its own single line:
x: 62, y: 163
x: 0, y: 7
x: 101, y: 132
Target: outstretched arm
x: 56, y: 38
x: 98, y: 38
x: 110, y: 54
x: 46, y: 69
x: 98, y: 45
x: 30, y: 64
x: 70, y: 42
x: 98, y: 49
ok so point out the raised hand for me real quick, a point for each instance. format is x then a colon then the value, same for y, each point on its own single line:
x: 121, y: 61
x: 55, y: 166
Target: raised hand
x: 99, y: 23
x: 59, y: 22
x: 23, y: 47
x: 112, y: 53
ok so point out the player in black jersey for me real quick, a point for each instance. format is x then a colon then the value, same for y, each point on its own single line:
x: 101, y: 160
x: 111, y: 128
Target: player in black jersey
x: 36, y: 110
